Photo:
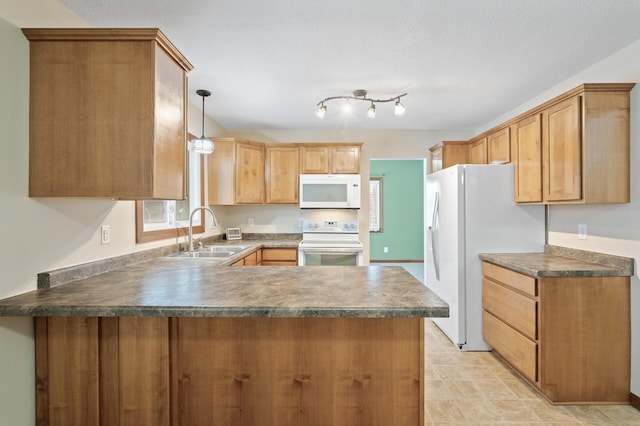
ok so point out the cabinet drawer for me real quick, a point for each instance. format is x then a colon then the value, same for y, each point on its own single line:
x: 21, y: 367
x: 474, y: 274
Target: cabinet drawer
x: 515, y: 309
x: 279, y: 254
x: 515, y: 348
x: 524, y: 283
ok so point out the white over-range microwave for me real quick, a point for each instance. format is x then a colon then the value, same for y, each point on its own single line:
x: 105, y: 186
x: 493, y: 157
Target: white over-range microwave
x: 329, y: 191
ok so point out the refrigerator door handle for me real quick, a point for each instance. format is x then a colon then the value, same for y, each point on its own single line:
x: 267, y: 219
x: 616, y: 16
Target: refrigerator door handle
x: 435, y: 235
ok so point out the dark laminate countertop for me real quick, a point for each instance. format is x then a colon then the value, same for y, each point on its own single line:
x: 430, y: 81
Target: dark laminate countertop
x: 170, y: 286
x: 563, y: 262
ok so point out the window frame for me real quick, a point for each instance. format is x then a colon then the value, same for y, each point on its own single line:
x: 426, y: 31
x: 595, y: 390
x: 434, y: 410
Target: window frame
x: 143, y: 236
x: 377, y: 208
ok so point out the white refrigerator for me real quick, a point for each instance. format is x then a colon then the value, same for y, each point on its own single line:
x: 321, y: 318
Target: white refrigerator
x: 470, y: 209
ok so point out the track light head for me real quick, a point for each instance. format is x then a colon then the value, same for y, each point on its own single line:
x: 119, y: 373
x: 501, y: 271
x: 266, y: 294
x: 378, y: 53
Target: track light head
x: 322, y: 111
x: 371, y: 113
x: 399, y: 109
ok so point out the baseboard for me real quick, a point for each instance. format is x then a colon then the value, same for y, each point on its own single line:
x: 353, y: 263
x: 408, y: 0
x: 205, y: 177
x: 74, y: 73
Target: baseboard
x: 634, y: 400
x: 397, y: 261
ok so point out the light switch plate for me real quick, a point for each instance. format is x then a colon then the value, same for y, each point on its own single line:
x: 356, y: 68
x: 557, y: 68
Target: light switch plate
x: 582, y: 231
x: 105, y: 234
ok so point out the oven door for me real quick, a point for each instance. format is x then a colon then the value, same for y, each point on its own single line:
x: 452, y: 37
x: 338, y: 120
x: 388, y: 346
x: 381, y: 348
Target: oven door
x: 329, y: 257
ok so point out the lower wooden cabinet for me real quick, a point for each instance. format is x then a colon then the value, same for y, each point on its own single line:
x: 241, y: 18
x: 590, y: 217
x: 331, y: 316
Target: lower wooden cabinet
x: 279, y: 257
x: 569, y: 336
x: 230, y: 371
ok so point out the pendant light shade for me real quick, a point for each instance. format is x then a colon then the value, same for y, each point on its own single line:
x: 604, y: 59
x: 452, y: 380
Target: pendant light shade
x: 202, y: 145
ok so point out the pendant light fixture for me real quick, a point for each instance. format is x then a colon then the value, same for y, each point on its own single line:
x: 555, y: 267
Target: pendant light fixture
x: 361, y: 95
x: 202, y: 145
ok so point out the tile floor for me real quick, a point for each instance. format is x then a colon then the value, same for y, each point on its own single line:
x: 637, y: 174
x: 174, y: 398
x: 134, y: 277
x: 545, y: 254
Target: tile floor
x: 476, y: 388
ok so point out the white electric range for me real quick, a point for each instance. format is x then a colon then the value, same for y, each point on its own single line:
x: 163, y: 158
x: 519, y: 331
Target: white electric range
x: 330, y: 243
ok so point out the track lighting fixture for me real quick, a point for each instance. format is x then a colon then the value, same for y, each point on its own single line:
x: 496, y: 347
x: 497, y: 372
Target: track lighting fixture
x: 361, y: 95
x: 202, y: 145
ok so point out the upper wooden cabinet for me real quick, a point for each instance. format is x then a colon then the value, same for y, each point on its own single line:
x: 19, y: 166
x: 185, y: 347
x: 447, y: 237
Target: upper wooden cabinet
x: 571, y: 149
x: 449, y: 153
x: 236, y: 172
x: 107, y: 114
x: 527, y: 157
x: 282, y: 171
x: 585, y: 145
x: 478, y: 151
x: 561, y: 156
x: 499, y: 147
x: 335, y: 158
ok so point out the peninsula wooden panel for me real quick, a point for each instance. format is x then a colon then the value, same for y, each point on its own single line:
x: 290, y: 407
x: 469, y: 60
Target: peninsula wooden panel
x: 134, y: 371
x: 230, y: 371
x: 310, y: 371
x: 67, y: 389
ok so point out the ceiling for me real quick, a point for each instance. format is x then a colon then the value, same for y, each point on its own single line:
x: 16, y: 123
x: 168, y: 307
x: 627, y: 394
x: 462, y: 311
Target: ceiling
x: 462, y: 62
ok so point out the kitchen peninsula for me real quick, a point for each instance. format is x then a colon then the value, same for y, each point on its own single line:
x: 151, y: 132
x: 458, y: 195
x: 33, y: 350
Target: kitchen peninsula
x: 186, y: 342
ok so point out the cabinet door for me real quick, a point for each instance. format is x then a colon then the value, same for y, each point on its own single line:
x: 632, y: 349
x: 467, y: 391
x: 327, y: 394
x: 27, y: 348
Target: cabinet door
x: 249, y: 173
x: 314, y: 159
x: 562, y: 164
x: 282, y: 174
x: 436, y: 159
x: 528, y: 159
x: 499, y: 147
x: 220, y: 173
x: 345, y: 159
x: 478, y: 152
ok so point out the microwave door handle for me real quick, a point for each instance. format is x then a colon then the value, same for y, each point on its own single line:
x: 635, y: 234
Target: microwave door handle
x: 435, y: 235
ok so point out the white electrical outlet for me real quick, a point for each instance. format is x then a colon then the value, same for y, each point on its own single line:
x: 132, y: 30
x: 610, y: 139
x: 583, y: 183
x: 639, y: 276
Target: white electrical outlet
x: 582, y: 231
x: 105, y: 234
x: 386, y: 250
x: 250, y: 221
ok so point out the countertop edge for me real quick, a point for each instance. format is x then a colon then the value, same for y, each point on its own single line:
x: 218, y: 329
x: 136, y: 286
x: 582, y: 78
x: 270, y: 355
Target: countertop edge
x: 209, y: 312
x: 523, y: 266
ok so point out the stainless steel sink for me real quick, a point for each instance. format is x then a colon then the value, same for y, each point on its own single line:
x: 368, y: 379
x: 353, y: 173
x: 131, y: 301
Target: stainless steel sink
x: 219, y: 251
x: 223, y: 248
x: 214, y: 254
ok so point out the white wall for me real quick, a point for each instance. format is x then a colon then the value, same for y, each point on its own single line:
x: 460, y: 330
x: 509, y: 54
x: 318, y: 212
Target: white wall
x: 613, y: 228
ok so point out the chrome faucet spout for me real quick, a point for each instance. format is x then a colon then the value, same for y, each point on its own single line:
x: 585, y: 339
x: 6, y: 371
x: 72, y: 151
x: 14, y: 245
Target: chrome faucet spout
x: 213, y: 216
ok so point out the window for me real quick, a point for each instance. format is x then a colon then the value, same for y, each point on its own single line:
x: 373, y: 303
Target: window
x: 375, y: 204
x: 162, y: 219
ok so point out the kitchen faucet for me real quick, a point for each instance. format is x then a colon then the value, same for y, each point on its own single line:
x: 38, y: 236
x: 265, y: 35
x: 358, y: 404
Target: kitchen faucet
x: 213, y: 216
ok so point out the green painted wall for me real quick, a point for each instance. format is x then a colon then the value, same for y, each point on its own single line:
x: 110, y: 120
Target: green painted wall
x: 402, y: 210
